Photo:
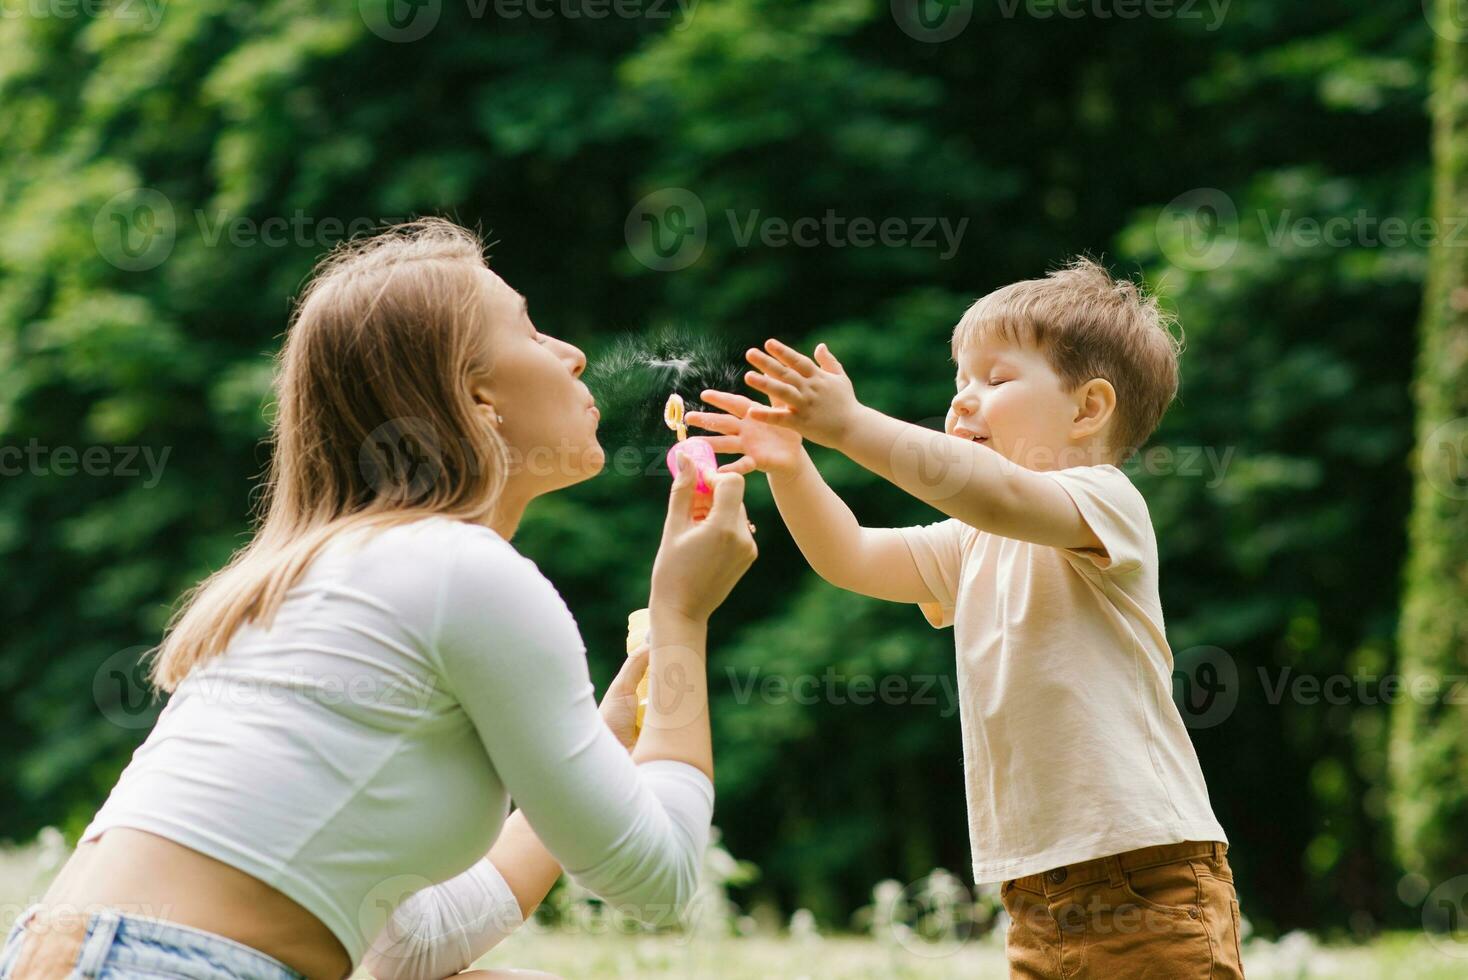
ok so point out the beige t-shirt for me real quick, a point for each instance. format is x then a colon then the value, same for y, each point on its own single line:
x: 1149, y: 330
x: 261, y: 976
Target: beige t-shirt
x: 1072, y: 746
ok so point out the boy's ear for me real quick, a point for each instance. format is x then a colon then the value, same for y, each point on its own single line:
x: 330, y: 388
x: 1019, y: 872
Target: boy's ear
x: 1095, y: 405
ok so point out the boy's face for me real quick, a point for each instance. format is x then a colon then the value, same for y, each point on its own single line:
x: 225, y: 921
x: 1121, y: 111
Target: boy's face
x: 1011, y: 400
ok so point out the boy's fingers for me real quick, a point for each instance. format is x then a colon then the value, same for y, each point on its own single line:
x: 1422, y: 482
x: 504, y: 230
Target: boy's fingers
x: 772, y: 367
x: 744, y: 465
x: 725, y: 444
x: 789, y: 355
x: 772, y: 416
x: 771, y: 387
x: 713, y: 422
x: 735, y: 405
x: 827, y: 360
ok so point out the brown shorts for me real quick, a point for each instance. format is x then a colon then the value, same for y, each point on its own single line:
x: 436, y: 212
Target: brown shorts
x: 1166, y: 913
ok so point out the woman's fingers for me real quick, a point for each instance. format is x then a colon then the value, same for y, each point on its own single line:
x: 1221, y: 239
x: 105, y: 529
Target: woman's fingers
x: 728, y: 500
x: 680, y: 498
x: 634, y: 665
x: 631, y: 672
x: 791, y: 357
x: 619, y: 704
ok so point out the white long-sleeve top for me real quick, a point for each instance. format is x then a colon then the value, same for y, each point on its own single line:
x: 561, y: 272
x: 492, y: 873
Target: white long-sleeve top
x: 441, y: 930
x: 366, y: 746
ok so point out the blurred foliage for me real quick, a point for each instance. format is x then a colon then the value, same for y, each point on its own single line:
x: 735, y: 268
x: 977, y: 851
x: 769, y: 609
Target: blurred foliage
x: 271, y: 129
x: 1430, y: 736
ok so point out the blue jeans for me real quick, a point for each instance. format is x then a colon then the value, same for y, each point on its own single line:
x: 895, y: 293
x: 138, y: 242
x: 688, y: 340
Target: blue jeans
x: 119, y: 946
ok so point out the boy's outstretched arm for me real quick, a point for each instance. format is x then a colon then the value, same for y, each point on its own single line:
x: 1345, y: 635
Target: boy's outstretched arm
x: 872, y: 561
x: 960, y: 478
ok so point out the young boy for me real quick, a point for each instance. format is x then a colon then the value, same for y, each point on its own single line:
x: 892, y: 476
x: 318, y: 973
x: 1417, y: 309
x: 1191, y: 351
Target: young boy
x: 1084, y: 794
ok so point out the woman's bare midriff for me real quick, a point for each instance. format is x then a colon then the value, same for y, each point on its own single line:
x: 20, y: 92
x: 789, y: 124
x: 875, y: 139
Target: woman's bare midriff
x: 143, y: 874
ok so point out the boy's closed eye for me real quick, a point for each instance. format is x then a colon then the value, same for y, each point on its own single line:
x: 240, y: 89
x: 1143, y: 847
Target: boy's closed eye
x: 960, y: 383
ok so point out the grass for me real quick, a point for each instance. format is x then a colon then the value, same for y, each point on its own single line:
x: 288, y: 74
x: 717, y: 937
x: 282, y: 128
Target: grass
x: 615, y: 954
x: 1398, y: 956
x: 747, y: 958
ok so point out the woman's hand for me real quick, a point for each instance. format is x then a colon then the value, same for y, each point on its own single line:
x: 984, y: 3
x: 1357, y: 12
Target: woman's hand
x: 700, y: 561
x: 770, y: 448
x: 619, y: 704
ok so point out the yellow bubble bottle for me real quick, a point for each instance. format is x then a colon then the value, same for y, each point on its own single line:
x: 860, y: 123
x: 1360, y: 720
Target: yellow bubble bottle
x: 637, y: 627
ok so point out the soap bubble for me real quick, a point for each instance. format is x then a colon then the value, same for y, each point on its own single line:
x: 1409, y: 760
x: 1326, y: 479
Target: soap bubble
x: 632, y: 377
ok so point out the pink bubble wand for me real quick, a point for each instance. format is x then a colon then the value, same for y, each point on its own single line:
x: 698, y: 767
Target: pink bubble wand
x: 699, y: 452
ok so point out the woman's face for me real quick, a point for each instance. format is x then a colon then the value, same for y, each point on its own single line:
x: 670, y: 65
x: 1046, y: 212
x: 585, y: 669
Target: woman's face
x: 550, y: 417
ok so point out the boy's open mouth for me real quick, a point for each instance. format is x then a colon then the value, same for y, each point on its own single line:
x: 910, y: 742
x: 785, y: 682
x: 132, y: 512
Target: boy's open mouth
x: 971, y: 437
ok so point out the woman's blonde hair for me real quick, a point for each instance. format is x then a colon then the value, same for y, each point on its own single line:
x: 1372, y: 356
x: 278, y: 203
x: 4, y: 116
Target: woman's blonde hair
x: 375, y: 425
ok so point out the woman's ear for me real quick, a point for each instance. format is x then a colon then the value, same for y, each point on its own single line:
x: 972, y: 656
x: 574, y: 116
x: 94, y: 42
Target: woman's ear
x: 484, y: 401
x: 1095, y: 405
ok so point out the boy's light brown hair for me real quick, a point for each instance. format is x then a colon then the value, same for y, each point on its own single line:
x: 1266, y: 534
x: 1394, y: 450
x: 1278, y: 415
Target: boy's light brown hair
x: 1089, y: 325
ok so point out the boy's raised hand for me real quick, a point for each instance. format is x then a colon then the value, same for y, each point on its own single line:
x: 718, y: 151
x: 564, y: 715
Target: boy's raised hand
x: 765, y: 447
x: 812, y: 397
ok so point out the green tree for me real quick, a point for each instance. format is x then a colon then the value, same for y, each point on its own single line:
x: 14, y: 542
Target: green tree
x: 1048, y: 136
x: 1430, y: 733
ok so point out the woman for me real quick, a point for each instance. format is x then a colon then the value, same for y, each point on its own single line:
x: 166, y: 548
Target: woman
x: 358, y: 694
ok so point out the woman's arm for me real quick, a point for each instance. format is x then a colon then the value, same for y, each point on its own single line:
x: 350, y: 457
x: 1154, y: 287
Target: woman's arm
x: 438, y: 931
x: 514, y: 660
x: 632, y: 833
x: 508, y: 650
x: 676, y: 726
x: 696, y: 567
x: 444, y: 929
x: 528, y: 868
